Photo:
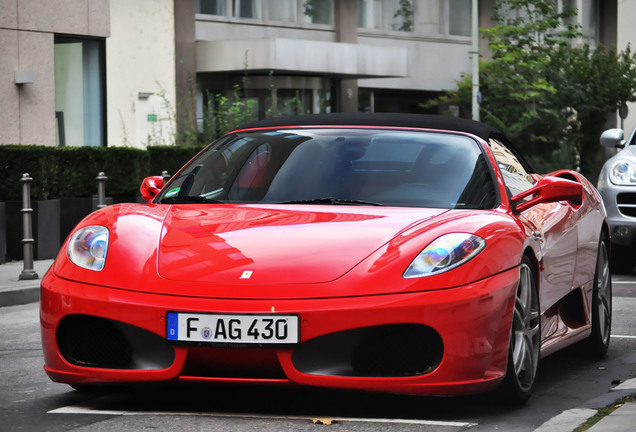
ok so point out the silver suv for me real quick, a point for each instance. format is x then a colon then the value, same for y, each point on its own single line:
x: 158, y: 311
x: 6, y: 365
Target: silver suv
x: 617, y: 185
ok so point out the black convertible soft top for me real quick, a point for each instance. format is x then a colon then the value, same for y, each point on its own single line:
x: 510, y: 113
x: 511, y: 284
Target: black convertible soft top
x: 424, y: 121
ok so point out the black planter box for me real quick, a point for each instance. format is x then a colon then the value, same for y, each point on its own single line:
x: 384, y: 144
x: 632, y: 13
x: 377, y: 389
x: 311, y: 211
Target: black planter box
x: 45, y: 223
x: 73, y: 210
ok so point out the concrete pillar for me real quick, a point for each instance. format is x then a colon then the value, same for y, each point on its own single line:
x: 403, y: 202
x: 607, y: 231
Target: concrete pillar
x: 185, y: 59
x: 346, y: 14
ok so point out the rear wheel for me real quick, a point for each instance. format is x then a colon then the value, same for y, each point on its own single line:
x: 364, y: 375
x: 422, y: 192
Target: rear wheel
x: 598, y: 342
x: 525, y: 339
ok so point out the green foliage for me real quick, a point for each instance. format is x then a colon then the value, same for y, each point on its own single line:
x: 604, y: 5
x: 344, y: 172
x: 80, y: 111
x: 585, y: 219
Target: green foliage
x: 550, y: 97
x: 71, y: 171
x: 592, y: 84
x: 170, y: 158
x: 517, y: 95
x: 231, y: 113
x: 38, y: 161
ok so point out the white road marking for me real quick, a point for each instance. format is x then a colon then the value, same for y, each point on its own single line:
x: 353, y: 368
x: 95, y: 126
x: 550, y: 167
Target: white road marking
x: 623, y: 337
x: 82, y: 409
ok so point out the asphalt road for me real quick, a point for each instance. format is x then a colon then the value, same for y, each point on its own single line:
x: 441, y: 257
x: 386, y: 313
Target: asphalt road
x: 29, y: 401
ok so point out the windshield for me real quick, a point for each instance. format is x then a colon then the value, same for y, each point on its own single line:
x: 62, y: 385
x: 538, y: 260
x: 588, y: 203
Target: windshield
x: 356, y: 166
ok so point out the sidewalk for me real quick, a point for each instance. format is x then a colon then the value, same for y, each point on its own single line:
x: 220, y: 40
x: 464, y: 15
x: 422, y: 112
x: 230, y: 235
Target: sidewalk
x: 14, y: 291
x: 622, y: 419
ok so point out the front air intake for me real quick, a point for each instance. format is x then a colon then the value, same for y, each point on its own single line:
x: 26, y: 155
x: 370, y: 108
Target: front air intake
x: 394, y: 350
x: 93, y: 342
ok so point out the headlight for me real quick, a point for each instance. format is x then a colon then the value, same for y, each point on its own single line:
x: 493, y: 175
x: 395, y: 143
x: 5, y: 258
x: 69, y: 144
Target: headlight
x: 445, y: 253
x: 623, y: 173
x: 88, y: 247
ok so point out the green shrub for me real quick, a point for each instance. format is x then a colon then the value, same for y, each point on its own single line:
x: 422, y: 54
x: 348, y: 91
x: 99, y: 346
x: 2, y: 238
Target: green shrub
x: 59, y: 172
x: 170, y: 158
x: 66, y: 172
x: 38, y: 161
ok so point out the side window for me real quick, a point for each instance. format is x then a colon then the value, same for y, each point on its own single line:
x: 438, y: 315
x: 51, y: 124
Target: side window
x: 515, y: 176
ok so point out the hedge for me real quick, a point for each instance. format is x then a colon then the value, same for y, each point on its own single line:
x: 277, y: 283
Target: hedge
x: 170, y: 158
x: 62, y: 172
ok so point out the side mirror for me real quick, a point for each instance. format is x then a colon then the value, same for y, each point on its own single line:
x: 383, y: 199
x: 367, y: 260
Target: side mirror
x: 549, y: 189
x: 150, y: 187
x: 613, y: 138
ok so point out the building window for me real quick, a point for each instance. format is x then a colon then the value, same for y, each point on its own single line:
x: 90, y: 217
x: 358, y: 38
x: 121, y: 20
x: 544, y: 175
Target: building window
x: 281, y: 10
x: 79, y: 91
x: 459, y: 17
x: 401, y: 15
x: 370, y: 14
x: 247, y: 9
x: 426, y: 18
x: 588, y: 16
x: 211, y: 7
x: 317, y: 11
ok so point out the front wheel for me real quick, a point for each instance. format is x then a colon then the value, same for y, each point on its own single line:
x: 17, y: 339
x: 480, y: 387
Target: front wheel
x: 597, y: 344
x: 525, y: 339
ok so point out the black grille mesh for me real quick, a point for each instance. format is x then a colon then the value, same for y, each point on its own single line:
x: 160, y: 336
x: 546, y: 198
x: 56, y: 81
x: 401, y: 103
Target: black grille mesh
x: 398, y: 350
x: 627, y: 204
x: 94, y: 342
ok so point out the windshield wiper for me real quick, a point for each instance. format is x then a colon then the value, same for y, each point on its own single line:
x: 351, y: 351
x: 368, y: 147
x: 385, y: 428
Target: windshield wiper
x: 332, y: 201
x: 189, y: 200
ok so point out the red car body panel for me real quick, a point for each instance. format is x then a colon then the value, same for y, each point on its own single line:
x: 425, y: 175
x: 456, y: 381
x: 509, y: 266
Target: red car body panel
x: 478, y: 341
x: 338, y: 268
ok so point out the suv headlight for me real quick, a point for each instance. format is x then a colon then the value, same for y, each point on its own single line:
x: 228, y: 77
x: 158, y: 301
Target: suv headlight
x: 88, y: 247
x: 623, y: 173
x: 445, y: 253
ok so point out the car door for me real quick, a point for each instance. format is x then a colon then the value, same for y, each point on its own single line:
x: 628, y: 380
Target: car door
x: 552, y: 225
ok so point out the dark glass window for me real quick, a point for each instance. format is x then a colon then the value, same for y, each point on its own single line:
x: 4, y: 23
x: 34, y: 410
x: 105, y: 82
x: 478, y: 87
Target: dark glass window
x: 80, y: 91
x: 339, y: 166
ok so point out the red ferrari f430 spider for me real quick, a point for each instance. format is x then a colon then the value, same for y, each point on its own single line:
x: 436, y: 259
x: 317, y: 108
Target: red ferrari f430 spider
x: 380, y: 252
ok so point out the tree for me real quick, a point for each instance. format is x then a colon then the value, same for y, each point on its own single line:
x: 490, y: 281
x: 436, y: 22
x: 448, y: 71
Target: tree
x: 550, y: 97
x: 592, y: 85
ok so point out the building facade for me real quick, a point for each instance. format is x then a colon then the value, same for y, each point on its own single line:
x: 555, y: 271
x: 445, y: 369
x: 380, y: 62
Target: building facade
x: 52, y: 78
x: 118, y: 72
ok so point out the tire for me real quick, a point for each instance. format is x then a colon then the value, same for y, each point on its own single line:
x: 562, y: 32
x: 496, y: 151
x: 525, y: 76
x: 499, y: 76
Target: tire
x: 525, y: 340
x: 597, y: 344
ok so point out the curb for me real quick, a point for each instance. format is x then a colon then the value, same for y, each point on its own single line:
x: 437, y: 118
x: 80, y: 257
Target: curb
x: 14, y: 291
x: 19, y: 296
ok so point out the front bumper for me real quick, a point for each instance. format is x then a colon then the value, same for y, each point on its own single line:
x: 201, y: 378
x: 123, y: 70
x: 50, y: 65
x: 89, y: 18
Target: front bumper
x: 460, y: 335
x: 620, y: 205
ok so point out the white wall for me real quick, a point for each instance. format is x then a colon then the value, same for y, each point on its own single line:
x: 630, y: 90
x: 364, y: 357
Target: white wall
x: 627, y: 35
x: 140, y: 57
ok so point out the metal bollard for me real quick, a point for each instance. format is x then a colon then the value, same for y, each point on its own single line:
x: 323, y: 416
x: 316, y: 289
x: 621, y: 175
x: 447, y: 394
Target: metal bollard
x: 28, y: 273
x: 101, y: 190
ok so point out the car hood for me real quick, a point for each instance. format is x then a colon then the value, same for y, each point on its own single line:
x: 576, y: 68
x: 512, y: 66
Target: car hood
x: 275, y: 244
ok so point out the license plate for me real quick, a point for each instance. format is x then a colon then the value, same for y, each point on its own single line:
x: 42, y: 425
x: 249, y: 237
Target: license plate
x: 233, y: 328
